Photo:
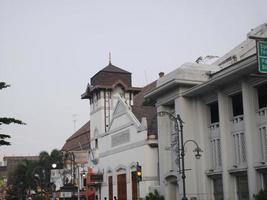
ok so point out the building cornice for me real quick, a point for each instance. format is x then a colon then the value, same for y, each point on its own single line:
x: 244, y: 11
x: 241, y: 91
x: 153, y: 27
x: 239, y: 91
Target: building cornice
x: 168, y: 86
x: 219, y: 79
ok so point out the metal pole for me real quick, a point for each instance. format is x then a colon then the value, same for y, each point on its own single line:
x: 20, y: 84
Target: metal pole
x: 138, y: 185
x: 182, y: 156
x: 78, y: 182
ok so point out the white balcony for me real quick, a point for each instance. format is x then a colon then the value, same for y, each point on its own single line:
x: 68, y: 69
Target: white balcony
x: 237, y: 124
x: 262, y: 116
x: 215, y: 147
x: 215, y: 130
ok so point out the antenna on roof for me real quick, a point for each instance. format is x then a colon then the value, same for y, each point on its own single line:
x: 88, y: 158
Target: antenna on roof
x: 109, y: 58
x: 145, y: 77
x: 74, y: 121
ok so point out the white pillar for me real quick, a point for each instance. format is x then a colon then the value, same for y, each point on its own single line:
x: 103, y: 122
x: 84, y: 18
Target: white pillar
x: 201, y: 132
x: 225, y: 110
x: 187, y: 109
x: 250, y: 105
x: 165, y: 156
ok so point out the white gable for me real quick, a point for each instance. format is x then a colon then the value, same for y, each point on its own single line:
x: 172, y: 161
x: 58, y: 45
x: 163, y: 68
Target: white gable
x: 122, y: 115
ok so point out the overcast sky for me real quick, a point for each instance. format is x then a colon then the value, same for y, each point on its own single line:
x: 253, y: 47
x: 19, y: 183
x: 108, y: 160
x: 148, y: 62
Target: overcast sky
x: 49, y: 49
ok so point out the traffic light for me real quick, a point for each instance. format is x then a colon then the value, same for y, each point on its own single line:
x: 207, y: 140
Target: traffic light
x: 138, y: 172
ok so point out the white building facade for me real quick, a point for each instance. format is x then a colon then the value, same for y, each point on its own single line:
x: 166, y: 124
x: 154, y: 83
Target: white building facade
x: 123, y: 133
x: 225, y: 112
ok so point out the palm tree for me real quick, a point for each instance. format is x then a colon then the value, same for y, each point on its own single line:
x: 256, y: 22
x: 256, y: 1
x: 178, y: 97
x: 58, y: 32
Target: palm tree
x: 46, y: 161
x: 20, y: 181
x: 33, y: 175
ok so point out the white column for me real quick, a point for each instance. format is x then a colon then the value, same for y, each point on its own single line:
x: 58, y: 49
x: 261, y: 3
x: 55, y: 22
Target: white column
x: 187, y: 109
x: 201, y: 132
x: 250, y: 106
x: 225, y: 110
x: 165, y: 162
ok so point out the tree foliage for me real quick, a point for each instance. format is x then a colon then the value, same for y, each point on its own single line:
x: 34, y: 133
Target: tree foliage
x: 262, y: 195
x: 3, y: 85
x: 7, y: 121
x: 154, y: 196
x: 21, y: 180
x: 33, y: 177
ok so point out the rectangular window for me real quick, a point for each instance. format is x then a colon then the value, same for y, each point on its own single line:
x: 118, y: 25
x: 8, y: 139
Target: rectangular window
x: 216, y: 153
x: 242, y: 187
x: 215, y: 146
x: 96, y: 143
x: 239, y: 148
x: 243, y: 148
x: 110, y: 188
x: 263, y: 142
x: 214, y: 112
x: 262, y: 96
x: 218, y: 188
x: 237, y: 104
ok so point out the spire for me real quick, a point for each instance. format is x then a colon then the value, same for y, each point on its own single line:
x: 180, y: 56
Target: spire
x: 109, y: 58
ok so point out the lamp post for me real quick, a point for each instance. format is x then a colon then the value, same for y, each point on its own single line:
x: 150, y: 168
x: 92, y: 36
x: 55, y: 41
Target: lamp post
x: 74, y: 166
x: 53, y: 186
x: 180, y: 146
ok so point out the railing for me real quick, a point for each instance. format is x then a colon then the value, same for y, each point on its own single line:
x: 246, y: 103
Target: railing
x: 215, y: 147
x: 237, y: 123
x: 215, y: 130
x: 262, y: 115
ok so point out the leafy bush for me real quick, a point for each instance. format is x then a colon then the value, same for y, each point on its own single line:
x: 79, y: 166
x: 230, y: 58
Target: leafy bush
x: 262, y: 195
x: 154, y: 196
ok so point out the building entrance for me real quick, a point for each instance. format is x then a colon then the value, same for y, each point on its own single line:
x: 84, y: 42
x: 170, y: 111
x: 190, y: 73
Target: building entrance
x: 122, y: 187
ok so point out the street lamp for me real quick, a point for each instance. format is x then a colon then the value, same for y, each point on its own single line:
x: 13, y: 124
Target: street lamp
x: 54, y: 165
x: 180, y: 146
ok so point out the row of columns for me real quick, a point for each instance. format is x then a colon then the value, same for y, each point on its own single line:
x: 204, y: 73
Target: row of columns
x: 250, y: 106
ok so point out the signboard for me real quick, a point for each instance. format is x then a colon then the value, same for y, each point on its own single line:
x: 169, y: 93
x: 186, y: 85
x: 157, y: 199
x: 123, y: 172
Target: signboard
x: 65, y: 194
x: 81, y: 157
x: 96, y: 178
x: 262, y: 56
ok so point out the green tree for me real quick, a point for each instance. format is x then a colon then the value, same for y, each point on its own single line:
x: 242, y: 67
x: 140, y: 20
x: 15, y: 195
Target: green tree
x: 44, y: 171
x: 154, y: 196
x: 262, y: 195
x: 7, y: 121
x: 21, y: 180
x: 34, y: 176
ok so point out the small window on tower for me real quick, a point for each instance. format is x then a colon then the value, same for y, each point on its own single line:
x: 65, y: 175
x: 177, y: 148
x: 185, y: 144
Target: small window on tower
x: 98, y: 95
x: 96, y: 143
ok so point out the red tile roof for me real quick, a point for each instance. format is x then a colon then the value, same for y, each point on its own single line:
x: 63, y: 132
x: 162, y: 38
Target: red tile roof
x: 108, y: 78
x: 80, y: 140
x: 149, y: 112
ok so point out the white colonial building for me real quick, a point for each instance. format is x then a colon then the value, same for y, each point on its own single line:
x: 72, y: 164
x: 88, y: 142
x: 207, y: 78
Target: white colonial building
x: 225, y: 112
x: 123, y: 133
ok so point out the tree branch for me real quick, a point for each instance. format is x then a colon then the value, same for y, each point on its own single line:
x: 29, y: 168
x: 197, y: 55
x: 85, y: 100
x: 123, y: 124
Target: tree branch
x: 3, y: 85
x: 8, y: 120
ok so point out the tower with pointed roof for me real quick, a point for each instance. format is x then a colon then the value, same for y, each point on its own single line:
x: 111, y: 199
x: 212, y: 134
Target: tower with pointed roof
x: 123, y: 132
x: 103, y: 91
